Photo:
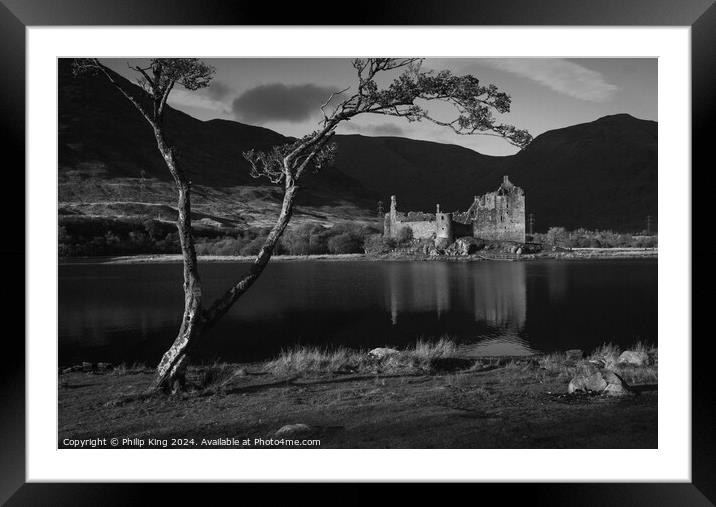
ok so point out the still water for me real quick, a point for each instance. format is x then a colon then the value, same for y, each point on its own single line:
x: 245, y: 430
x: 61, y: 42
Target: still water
x: 130, y: 313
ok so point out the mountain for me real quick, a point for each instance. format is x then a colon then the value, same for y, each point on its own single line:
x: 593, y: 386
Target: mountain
x: 102, y: 136
x: 601, y: 174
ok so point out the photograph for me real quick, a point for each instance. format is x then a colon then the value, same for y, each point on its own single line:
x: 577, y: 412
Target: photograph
x: 357, y: 253
x: 435, y: 243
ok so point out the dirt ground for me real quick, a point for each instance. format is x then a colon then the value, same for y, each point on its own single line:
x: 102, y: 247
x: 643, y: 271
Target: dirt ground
x: 516, y: 405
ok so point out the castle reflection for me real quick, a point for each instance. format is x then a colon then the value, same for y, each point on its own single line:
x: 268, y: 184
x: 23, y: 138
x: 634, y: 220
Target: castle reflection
x: 494, y: 293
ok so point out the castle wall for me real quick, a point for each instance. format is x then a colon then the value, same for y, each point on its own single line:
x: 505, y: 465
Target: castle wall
x: 422, y: 224
x: 495, y: 216
x: 421, y: 230
x: 500, y: 215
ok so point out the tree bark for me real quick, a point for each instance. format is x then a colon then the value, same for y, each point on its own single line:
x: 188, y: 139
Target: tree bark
x: 171, y: 371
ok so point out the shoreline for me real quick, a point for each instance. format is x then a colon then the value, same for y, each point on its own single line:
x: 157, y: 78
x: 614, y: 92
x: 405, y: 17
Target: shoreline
x: 418, y: 398
x: 573, y: 254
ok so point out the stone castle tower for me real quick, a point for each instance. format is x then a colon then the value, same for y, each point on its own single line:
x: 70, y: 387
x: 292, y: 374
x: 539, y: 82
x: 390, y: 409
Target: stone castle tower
x: 443, y: 227
x: 500, y: 215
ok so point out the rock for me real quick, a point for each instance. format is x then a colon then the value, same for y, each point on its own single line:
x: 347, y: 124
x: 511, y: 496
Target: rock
x: 104, y: 366
x: 594, y: 383
x: 292, y: 429
x: 601, y: 382
x: 519, y: 251
x: 381, y: 352
x: 441, y: 243
x: 87, y: 366
x: 637, y: 358
x: 574, y: 354
x: 616, y: 386
x: 464, y: 246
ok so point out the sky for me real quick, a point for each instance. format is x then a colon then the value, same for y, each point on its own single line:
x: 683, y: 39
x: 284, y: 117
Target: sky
x: 285, y: 94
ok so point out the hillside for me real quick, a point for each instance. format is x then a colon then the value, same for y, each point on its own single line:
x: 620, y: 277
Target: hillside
x: 601, y: 174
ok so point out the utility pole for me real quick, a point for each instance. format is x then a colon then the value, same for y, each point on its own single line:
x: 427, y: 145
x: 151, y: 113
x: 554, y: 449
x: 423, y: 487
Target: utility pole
x: 532, y: 223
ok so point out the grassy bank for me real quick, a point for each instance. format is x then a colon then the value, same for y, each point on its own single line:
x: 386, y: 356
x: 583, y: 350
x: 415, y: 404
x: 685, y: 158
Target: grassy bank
x: 430, y: 395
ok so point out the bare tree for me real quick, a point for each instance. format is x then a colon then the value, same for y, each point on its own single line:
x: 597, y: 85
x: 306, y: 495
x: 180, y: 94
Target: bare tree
x: 406, y: 96
x: 157, y: 80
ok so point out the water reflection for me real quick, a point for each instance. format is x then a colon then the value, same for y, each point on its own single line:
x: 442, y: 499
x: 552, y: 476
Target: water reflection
x: 495, y: 294
x: 131, y: 312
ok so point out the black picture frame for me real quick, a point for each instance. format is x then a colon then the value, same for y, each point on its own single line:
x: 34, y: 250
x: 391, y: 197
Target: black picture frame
x: 17, y: 15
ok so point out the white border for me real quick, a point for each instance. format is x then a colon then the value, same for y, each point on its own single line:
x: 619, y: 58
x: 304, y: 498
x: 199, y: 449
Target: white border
x: 670, y: 462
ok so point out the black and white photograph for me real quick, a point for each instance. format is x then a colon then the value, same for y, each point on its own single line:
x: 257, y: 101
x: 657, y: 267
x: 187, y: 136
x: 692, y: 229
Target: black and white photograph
x: 443, y: 242
x: 383, y: 253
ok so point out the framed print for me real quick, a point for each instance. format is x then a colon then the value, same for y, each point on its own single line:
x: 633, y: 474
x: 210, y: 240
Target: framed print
x: 434, y: 245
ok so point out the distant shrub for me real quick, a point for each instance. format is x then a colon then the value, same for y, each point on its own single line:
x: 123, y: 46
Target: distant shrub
x: 253, y: 247
x: 378, y: 244
x: 80, y: 235
x: 224, y: 246
x: 344, y: 243
x: 583, y: 238
x: 557, y: 236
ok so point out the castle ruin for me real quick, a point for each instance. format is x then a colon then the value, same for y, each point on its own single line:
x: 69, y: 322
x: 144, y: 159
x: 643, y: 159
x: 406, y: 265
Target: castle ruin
x: 495, y: 216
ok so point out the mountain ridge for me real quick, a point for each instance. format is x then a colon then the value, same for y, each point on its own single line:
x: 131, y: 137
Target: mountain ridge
x: 599, y: 174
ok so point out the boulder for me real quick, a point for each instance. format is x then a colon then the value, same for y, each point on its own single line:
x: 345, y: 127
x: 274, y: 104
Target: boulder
x: 464, y: 246
x: 635, y: 357
x: 441, y: 243
x: 292, y: 429
x: 381, y: 352
x: 585, y: 383
x: 600, y: 382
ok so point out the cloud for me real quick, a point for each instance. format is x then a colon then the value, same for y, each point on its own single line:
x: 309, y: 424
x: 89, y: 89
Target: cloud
x: 181, y: 98
x: 217, y: 90
x: 380, y: 129
x: 560, y: 75
x: 280, y: 102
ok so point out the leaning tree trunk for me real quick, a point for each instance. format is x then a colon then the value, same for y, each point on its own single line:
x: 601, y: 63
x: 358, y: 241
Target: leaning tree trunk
x: 171, y: 371
x: 224, y: 303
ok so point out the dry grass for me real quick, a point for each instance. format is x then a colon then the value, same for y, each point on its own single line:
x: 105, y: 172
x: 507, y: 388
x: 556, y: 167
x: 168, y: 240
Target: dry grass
x: 425, y: 356
x: 217, y: 375
x: 427, y: 350
x: 313, y: 360
x: 428, y: 357
x: 608, y: 354
x: 134, y: 369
